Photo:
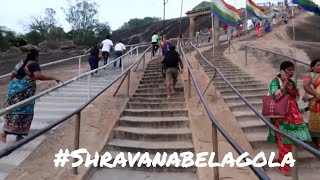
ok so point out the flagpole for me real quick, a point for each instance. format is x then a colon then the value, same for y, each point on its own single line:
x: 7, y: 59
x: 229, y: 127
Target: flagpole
x: 246, y: 19
x: 212, y: 34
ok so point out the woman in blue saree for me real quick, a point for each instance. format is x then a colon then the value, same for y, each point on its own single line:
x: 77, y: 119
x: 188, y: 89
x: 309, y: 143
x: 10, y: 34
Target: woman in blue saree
x: 22, y: 86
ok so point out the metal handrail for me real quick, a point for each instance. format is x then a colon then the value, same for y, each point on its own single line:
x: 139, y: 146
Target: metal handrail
x: 258, y: 171
x: 75, y: 57
x: 26, y: 101
x: 273, y: 52
x: 307, y: 147
x: 6, y: 151
x: 48, y: 64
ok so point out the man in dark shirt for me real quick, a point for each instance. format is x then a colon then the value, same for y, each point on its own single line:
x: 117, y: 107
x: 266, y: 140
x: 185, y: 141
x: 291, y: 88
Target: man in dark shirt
x: 171, y: 61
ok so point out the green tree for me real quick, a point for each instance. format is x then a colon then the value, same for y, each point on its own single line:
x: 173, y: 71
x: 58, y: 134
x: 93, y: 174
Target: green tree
x: 101, y: 30
x: 82, y: 15
x: 43, y: 25
x: 34, y: 37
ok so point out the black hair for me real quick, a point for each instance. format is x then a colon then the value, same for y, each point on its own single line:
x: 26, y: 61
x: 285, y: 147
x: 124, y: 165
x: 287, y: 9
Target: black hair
x: 172, y: 47
x: 120, y: 41
x: 313, y: 63
x: 108, y: 37
x: 286, y: 64
x: 31, y: 56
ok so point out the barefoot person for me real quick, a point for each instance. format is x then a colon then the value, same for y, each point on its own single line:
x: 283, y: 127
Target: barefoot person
x: 293, y: 123
x: 172, y: 60
x: 312, y: 87
x: 21, y: 87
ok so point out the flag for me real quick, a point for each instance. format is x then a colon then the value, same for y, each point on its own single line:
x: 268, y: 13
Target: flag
x: 254, y: 9
x: 225, y: 12
x: 307, y: 5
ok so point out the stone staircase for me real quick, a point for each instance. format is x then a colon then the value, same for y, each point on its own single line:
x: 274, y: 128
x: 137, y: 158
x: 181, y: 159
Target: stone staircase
x: 252, y: 126
x: 54, y: 106
x: 151, y: 123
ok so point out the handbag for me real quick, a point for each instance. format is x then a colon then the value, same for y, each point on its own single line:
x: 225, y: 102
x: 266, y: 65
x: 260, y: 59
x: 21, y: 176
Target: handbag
x: 100, y: 55
x: 275, y: 109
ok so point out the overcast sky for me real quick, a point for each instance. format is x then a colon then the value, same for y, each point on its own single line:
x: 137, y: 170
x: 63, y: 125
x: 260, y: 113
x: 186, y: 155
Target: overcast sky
x: 15, y: 13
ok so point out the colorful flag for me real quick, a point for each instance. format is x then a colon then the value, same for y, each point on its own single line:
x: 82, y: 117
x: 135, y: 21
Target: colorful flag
x: 256, y: 10
x: 225, y: 12
x: 307, y: 5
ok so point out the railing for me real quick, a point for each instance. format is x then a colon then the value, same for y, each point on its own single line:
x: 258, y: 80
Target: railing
x: 216, y: 126
x: 130, y: 47
x: 9, y: 149
x: 296, y: 141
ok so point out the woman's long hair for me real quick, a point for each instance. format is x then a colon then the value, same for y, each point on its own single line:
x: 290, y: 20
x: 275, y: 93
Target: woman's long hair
x: 31, y: 56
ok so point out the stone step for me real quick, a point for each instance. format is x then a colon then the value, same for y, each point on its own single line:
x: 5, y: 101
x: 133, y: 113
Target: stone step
x: 244, y: 92
x: 83, y: 85
x: 155, y: 112
x: 149, y: 146
x: 236, y: 99
x: 225, y: 86
x: 154, y: 122
x: 119, y: 174
x: 159, y: 75
x: 148, y: 71
x: 251, y: 126
x: 40, y: 110
x: 80, y: 90
x: 244, y: 115
x: 159, y: 81
x: 244, y: 107
x: 49, y: 104
x: 152, y: 78
x: 140, y: 105
x: 62, y: 100
x: 158, y: 90
x: 152, y: 86
x: 158, y: 95
x: 157, y: 100
x: 310, y: 174
x: 236, y: 82
x: 236, y: 78
x: 70, y: 94
x: 152, y: 134
x: 143, y: 167
x: 227, y: 75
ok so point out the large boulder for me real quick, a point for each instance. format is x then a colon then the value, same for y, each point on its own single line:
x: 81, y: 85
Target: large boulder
x: 65, y: 45
x: 28, y: 48
x: 48, y: 45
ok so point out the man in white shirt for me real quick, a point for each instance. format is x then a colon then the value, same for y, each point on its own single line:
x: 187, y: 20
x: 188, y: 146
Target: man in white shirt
x: 119, y: 49
x: 106, y: 47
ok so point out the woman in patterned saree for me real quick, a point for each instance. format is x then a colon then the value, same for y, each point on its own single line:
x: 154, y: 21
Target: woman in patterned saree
x: 313, y: 79
x: 293, y: 124
x: 22, y: 86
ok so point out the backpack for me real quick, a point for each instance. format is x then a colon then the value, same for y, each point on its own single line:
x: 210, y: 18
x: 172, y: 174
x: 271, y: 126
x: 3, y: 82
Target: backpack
x: 171, y: 59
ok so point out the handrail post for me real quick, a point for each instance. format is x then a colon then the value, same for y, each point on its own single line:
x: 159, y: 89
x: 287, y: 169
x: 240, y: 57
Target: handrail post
x: 189, y: 83
x: 212, y: 79
x: 246, y: 54
x: 128, y: 86
x: 76, y: 140
x: 137, y: 52
x: 144, y: 61
x: 294, y: 169
x: 215, y: 150
x: 122, y: 61
x: 89, y: 89
x: 79, y: 65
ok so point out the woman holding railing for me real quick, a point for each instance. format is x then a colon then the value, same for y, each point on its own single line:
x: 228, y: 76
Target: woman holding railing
x: 312, y: 87
x: 282, y: 86
x: 22, y: 86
